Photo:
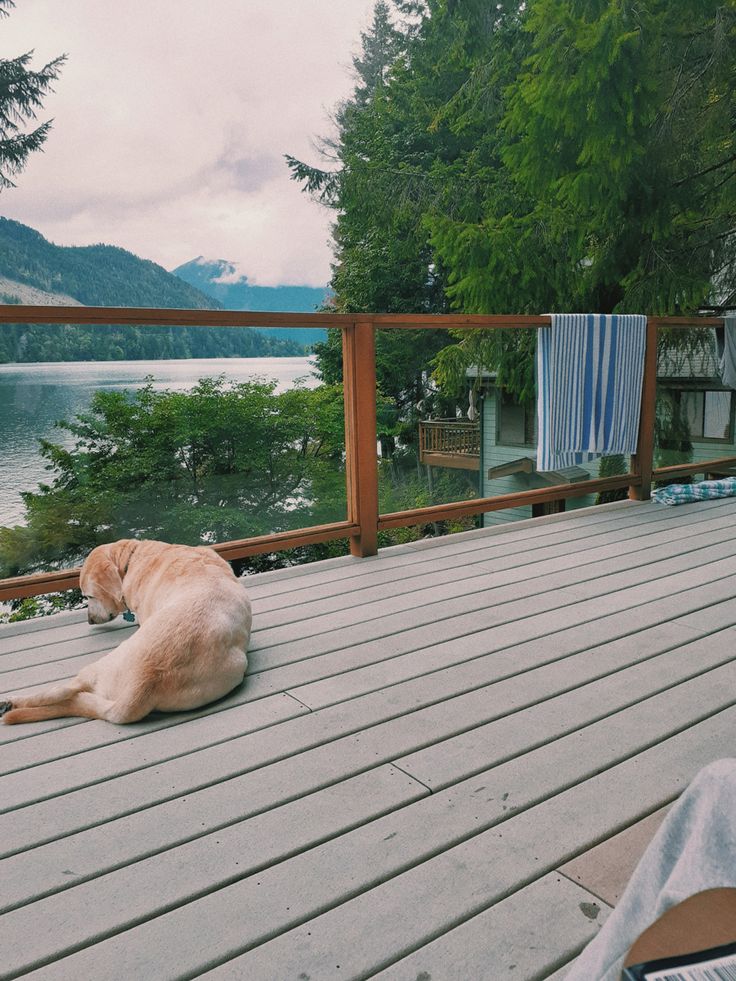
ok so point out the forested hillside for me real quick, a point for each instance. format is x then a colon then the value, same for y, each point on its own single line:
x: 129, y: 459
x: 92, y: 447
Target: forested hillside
x: 102, y: 275
x: 96, y: 275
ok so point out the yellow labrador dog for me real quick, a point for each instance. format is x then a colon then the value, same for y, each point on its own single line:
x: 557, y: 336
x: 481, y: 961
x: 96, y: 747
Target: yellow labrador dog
x: 190, y: 649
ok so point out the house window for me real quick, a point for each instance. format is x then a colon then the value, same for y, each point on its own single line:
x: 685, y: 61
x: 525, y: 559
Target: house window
x: 708, y: 415
x: 515, y: 422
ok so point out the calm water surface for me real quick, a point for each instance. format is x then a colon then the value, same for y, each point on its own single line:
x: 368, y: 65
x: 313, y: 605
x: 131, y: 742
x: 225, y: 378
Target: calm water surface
x: 34, y: 396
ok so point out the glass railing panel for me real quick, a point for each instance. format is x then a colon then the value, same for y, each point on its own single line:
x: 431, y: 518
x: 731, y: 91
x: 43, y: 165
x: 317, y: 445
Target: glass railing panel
x: 694, y: 409
x: 485, y: 429
x: 428, y: 450
x: 196, y: 450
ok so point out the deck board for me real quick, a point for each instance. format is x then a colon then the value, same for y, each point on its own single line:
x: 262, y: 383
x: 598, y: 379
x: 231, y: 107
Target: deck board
x: 430, y: 745
x: 412, y: 908
x: 606, y: 869
x: 536, y: 927
x: 302, y: 604
x: 490, y: 588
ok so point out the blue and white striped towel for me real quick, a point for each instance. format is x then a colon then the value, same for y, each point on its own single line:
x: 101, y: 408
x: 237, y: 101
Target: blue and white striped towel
x: 589, y: 374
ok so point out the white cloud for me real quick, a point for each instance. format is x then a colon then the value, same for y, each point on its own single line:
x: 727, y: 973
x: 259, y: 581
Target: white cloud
x: 171, y: 119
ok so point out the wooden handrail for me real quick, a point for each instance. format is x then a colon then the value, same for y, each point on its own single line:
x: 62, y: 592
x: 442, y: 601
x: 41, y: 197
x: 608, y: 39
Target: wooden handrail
x: 687, y: 469
x: 449, y: 436
x: 363, y: 520
x: 686, y: 321
x: 175, y: 317
x: 53, y: 582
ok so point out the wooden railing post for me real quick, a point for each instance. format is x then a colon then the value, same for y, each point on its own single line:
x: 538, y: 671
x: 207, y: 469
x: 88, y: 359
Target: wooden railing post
x: 359, y: 375
x: 643, y: 461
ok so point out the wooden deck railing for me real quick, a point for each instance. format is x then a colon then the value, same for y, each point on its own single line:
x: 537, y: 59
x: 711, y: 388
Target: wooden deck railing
x: 449, y: 436
x: 363, y: 520
x: 450, y: 443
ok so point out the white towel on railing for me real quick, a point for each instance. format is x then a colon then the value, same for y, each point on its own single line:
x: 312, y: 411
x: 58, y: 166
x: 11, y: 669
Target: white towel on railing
x: 589, y: 376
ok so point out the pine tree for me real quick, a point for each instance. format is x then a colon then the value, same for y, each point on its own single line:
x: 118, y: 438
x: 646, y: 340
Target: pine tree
x: 380, y: 47
x: 21, y: 95
x: 611, y: 184
x: 383, y: 262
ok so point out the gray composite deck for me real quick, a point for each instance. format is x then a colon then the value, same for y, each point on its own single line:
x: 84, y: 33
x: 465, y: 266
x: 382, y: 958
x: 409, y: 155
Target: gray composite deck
x: 442, y: 763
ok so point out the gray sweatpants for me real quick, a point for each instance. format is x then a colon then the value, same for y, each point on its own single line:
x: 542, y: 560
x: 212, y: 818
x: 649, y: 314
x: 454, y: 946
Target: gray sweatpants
x: 694, y: 849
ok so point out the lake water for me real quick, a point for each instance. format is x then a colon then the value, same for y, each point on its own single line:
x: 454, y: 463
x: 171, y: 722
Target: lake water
x: 34, y: 396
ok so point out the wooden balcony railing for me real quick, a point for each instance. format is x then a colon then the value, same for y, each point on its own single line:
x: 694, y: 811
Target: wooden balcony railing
x: 363, y: 520
x: 450, y: 443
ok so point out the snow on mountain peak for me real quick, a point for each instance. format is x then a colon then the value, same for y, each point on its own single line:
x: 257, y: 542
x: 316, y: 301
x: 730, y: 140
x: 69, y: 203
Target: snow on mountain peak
x: 230, y: 272
x: 221, y: 271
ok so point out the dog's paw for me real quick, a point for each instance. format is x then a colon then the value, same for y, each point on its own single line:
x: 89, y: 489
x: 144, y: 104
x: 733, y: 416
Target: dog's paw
x: 5, y: 707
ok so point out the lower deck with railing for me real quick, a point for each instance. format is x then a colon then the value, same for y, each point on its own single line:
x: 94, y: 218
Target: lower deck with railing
x: 444, y: 761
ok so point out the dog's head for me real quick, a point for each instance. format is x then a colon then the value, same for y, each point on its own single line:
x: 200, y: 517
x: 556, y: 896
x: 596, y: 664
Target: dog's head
x: 101, y: 580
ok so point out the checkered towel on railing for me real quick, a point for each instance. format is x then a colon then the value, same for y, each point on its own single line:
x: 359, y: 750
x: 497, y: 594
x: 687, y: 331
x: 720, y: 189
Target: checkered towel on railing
x: 706, y: 490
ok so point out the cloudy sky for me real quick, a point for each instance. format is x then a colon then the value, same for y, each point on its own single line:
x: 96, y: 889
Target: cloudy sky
x: 171, y: 118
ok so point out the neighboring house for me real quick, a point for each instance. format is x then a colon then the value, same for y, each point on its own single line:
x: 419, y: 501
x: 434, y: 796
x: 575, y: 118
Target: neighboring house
x: 508, y: 440
x: 501, y: 445
x: 691, y: 387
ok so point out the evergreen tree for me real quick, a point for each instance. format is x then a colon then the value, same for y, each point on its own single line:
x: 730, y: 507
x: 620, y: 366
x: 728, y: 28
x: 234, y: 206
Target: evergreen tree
x: 546, y: 155
x: 380, y: 48
x: 616, y: 156
x: 594, y: 163
x: 21, y: 95
x: 383, y: 260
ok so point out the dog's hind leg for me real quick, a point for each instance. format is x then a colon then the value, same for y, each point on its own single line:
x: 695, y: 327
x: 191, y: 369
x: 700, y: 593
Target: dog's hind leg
x: 35, y: 713
x: 52, y: 695
x: 50, y: 703
x: 54, y: 702
x: 122, y: 711
x: 69, y: 698
x: 86, y: 704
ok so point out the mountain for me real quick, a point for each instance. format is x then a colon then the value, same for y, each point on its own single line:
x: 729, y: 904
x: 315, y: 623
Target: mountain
x: 34, y: 270
x: 224, y: 282
x: 95, y: 275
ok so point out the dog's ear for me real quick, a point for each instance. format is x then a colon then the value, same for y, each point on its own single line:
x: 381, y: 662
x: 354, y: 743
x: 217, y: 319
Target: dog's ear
x: 101, y: 574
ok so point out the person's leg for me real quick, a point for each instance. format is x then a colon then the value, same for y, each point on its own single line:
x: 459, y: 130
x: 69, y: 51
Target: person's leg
x: 694, y: 849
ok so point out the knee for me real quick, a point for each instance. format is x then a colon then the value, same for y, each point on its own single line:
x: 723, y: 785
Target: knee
x: 716, y: 779
x: 124, y: 712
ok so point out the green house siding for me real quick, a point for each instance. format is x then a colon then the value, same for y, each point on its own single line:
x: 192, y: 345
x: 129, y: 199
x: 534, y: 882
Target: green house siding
x: 495, y: 454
